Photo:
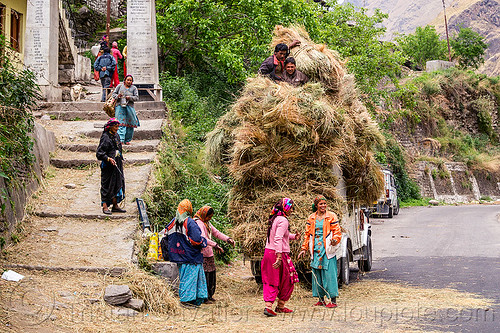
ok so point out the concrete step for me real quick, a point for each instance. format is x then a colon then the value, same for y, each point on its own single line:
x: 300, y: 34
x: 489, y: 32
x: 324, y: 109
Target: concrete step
x: 83, y: 200
x: 70, y: 159
x: 135, y: 147
x: 73, y: 131
x: 62, y: 243
x: 96, y: 115
x: 94, y: 106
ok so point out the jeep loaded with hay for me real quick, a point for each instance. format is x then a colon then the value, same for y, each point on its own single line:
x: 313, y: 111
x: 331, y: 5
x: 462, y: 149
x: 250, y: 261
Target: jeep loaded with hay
x: 299, y: 142
x: 388, y: 203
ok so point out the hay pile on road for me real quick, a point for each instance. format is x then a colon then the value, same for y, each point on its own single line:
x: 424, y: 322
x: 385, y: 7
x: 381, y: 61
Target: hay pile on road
x: 298, y: 142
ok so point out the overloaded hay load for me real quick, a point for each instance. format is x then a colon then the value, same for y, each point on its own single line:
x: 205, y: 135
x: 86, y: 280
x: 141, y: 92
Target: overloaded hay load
x: 299, y: 142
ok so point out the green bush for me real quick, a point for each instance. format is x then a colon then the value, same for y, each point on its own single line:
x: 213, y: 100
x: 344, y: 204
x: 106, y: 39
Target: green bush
x: 18, y: 95
x: 195, y: 103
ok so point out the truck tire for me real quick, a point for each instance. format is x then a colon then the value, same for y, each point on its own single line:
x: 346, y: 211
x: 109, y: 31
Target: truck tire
x: 255, y: 268
x: 396, y: 211
x: 365, y: 264
x: 344, y: 269
x: 389, y: 215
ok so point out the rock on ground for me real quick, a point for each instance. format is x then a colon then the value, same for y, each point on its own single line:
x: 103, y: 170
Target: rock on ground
x: 117, y: 294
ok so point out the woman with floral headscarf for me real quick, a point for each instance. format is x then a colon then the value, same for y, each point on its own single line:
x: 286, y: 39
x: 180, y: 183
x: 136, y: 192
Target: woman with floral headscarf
x: 109, y: 152
x: 202, y: 218
x: 184, y: 246
x: 322, y: 236
x: 278, y: 272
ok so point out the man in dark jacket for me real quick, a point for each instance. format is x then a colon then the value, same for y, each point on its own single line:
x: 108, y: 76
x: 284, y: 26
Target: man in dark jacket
x: 292, y: 75
x: 105, y: 65
x: 274, y: 65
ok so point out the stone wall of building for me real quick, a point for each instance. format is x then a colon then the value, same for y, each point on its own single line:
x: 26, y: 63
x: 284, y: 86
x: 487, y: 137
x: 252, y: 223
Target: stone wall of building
x: 118, y: 7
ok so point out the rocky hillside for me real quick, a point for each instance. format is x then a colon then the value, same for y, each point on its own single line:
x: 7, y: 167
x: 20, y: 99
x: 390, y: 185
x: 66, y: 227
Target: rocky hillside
x: 482, y: 16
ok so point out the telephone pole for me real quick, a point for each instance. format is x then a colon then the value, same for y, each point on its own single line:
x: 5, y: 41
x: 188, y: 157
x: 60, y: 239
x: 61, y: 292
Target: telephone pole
x: 108, y: 17
x: 446, y: 27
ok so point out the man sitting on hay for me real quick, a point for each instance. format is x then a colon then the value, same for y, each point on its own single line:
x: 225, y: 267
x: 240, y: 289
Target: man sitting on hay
x: 274, y: 65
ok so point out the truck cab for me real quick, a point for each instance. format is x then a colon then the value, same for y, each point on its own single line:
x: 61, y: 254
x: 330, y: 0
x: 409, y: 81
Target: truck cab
x: 388, y: 203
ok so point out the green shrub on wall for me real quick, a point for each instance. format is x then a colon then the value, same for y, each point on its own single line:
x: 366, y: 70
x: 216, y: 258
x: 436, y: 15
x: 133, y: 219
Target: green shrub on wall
x: 18, y: 95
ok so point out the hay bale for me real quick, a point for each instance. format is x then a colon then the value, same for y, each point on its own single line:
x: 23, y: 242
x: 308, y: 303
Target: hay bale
x: 299, y: 142
x: 156, y: 292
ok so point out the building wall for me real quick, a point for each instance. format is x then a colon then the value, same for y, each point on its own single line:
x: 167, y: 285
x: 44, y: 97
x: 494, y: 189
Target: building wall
x: 20, y: 7
x: 118, y: 7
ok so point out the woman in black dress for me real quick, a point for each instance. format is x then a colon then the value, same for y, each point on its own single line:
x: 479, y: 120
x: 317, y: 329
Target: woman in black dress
x: 109, y: 152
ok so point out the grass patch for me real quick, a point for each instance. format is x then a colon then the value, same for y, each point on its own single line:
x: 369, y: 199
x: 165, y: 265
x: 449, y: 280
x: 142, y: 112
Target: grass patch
x: 415, y: 202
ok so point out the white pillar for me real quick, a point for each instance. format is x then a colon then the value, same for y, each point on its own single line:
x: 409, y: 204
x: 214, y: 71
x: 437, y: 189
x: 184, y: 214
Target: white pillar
x: 41, y: 53
x: 142, y: 48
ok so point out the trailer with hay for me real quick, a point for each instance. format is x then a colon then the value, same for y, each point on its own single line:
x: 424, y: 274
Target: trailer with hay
x: 300, y: 142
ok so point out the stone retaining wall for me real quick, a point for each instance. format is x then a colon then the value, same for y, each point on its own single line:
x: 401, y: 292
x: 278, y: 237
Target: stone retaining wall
x: 15, y: 199
x: 454, y: 182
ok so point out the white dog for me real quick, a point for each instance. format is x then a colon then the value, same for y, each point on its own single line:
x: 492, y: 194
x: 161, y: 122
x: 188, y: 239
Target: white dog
x: 76, y: 92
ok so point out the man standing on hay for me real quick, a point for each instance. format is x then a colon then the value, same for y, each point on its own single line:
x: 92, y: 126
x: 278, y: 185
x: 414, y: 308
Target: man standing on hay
x: 274, y: 66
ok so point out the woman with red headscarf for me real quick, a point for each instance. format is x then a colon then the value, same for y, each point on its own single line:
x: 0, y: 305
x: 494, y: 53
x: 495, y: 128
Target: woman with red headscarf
x: 202, y: 218
x: 278, y: 272
x: 322, y: 236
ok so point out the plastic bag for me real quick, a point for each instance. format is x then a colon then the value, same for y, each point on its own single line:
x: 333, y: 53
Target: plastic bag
x: 153, y: 247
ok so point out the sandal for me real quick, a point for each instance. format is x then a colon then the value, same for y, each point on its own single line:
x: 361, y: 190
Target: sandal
x: 270, y: 313
x: 320, y: 303
x: 118, y: 210
x: 106, y: 211
x: 283, y: 310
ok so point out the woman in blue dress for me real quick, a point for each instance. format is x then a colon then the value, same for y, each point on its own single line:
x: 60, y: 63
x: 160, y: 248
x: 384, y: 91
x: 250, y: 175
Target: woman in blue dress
x: 126, y: 94
x: 322, y: 235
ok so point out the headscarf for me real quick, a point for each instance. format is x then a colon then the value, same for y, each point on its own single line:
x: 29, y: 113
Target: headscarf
x: 203, y: 214
x: 281, y: 208
x: 103, y: 39
x: 111, y: 122
x: 114, y: 44
x: 184, y: 210
x: 316, y: 202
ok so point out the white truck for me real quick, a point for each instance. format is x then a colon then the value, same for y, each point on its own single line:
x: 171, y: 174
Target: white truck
x: 388, y: 203
x: 355, y: 246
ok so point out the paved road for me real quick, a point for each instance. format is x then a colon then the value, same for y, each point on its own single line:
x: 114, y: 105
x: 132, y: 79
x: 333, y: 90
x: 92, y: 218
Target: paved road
x: 438, y: 247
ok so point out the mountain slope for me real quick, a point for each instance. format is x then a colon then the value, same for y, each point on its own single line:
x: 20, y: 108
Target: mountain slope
x: 483, y: 16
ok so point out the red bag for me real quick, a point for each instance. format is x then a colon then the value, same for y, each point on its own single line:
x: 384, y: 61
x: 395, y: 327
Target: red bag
x: 96, y: 75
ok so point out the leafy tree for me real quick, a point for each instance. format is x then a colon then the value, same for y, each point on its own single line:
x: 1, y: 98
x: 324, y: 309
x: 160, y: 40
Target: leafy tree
x: 469, y: 47
x: 231, y: 36
x: 422, y: 46
x: 357, y: 37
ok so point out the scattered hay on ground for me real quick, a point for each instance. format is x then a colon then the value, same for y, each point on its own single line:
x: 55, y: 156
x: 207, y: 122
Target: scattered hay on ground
x: 158, y: 296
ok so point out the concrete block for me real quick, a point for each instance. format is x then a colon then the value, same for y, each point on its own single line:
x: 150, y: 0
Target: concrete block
x: 435, y: 65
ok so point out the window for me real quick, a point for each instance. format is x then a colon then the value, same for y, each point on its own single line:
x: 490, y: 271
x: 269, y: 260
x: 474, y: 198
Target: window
x: 15, y: 30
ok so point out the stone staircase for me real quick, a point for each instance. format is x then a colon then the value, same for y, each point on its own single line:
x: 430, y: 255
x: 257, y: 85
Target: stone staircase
x: 67, y: 229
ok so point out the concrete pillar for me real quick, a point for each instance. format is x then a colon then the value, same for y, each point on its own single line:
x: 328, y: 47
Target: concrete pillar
x: 142, y: 49
x: 42, y: 45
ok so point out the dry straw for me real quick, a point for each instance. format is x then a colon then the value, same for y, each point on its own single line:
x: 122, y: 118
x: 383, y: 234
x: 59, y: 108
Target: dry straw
x: 298, y: 142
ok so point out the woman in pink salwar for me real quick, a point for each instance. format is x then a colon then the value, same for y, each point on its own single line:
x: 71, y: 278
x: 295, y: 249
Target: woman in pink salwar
x: 278, y: 273
x: 202, y: 218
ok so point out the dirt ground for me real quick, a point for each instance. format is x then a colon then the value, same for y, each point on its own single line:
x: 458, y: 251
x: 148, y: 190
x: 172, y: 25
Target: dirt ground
x: 73, y: 302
